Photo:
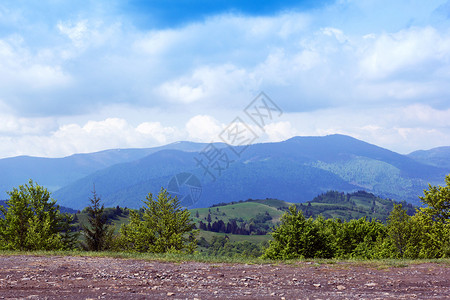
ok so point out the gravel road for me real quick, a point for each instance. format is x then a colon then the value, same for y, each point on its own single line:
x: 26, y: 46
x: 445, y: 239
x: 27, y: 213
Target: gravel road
x: 66, y: 277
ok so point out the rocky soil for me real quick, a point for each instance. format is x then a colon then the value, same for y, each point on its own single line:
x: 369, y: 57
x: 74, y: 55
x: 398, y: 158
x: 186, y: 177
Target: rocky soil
x: 36, y: 277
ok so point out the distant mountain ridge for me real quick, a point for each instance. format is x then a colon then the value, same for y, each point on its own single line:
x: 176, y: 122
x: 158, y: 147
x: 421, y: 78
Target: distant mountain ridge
x: 295, y: 170
x: 438, y: 157
x: 55, y: 173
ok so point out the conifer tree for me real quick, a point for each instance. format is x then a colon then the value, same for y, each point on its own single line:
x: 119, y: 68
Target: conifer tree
x: 97, y: 234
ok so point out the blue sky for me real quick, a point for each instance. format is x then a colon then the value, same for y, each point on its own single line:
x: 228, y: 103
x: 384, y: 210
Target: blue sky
x: 82, y: 76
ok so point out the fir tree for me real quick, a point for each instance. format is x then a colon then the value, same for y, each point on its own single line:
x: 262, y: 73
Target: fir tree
x: 98, y: 234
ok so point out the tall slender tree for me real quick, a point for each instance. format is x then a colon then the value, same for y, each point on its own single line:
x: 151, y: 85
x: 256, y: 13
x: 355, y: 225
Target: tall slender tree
x: 97, y: 234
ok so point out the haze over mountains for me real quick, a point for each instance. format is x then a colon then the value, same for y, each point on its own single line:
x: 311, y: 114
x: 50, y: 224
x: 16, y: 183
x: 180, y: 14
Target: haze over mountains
x: 295, y: 170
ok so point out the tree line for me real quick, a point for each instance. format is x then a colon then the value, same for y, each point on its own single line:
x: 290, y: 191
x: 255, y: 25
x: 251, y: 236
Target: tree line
x: 31, y: 220
x: 256, y: 225
x: 426, y: 234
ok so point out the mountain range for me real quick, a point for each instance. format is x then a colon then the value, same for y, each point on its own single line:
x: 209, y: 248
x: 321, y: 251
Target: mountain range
x: 295, y: 170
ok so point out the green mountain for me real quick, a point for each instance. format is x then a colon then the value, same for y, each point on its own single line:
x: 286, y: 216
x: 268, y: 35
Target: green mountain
x: 55, y: 173
x: 266, y: 213
x: 438, y: 157
x: 295, y: 170
x: 348, y: 206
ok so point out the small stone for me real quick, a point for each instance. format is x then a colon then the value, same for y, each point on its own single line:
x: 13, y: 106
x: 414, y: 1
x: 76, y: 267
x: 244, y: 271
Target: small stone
x: 316, y: 284
x: 170, y: 294
x: 371, y: 284
x: 340, y: 287
x: 294, y: 279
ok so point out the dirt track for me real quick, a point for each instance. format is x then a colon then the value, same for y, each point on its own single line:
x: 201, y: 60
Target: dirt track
x: 36, y: 277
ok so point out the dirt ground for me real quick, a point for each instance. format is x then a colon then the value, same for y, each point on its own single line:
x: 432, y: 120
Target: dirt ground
x: 64, y: 277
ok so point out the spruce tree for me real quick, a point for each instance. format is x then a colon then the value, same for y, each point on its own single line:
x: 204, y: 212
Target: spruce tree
x: 97, y: 234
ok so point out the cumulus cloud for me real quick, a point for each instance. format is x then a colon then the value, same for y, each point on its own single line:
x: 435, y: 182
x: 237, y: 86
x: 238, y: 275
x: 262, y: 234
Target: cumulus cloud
x: 203, y: 128
x: 279, y: 131
x: 412, y: 50
x: 384, y: 68
x: 89, y: 137
x: 24, y: 73
x: 292, y: 55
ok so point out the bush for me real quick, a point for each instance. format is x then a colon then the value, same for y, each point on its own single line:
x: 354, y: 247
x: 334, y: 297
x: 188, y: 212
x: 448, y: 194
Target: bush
x: 164, y: 227
x: 33, y: 221
x: 298, y: 237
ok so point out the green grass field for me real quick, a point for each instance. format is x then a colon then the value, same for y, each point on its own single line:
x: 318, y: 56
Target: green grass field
x: 241, y: 211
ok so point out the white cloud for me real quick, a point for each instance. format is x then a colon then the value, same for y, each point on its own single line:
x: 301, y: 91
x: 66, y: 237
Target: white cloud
x: 158, y: 132
x: 22, y: 73
x: 76, y: 32
x: 389, y: 77
x: 279, y: 131
x: 92, y: 136
x: 203, y: 128
x: 210, y: 84
x: 414, y: 50
x: 401, y: 129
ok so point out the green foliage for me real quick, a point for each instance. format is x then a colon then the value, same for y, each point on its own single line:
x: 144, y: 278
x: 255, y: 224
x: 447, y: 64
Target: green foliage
x: 399, y: 230
x: 349, y: 206
x: 33, y: 221
x: 434, y: 221
x: 437, y: 199
x: 423, y: 235
x: 97, y: 234
x: 298, y: 237
x: 164, y: 227
x: 357, y: 238
x: 222, y: 246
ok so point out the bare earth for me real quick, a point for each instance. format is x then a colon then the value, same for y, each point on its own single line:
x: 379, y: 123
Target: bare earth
x: 35, y: 277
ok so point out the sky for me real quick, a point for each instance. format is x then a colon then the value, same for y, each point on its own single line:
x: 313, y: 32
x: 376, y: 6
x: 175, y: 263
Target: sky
x: 83, y: 76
